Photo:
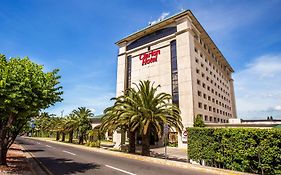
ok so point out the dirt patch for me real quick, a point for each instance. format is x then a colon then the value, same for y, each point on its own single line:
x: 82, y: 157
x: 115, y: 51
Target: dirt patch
x: 17, y: 162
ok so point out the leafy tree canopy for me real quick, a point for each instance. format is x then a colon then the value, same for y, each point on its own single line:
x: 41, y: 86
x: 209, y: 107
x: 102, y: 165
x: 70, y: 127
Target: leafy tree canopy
x: 25, y: 89
x: 199, y: 121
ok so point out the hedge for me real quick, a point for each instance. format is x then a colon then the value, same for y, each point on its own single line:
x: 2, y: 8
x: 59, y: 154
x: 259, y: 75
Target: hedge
x: 246, y: 150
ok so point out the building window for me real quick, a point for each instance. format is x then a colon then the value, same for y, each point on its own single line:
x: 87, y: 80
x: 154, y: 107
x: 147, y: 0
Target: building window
x: 152, y: 37
x: 199, y: 93
x: 174, y: 70
x: 204, y: 85
x: 128, y: 72
x: 200, y: 105
x: 206, y: 118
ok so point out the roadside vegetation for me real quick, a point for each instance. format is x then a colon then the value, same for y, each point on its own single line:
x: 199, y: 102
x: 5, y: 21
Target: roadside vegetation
x: 25, y: 89
x: 142, y: 110
x: 73, y: 128
x: 241, y: 149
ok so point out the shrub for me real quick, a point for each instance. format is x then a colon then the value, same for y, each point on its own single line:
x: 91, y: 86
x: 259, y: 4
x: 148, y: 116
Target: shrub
x: 93, y: 144
x: 241, y: 149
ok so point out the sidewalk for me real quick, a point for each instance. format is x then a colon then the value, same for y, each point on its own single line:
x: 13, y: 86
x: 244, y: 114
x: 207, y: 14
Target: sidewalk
x: 17, y: 161
x: 173, y: 153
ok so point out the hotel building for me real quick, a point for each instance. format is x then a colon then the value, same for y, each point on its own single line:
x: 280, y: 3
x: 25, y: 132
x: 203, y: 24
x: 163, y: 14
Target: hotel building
x: 178, y: 54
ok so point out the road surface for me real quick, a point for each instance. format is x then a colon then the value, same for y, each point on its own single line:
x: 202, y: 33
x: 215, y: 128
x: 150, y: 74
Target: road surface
x: 63, y: 159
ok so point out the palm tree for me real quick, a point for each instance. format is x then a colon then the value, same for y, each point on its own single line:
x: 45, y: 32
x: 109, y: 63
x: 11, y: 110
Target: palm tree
x: 82, y: 115
x: 114, y: 120
x: 144, y: 110
x: 71, y: 126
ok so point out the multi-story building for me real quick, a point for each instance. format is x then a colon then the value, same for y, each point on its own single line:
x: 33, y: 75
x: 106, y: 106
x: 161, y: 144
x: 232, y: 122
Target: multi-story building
x: 178, y: 54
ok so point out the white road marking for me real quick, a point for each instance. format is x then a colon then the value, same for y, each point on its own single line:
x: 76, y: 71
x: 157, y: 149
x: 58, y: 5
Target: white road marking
x: 69, y: 152
x: 123, y: 171
x: 49, y: 146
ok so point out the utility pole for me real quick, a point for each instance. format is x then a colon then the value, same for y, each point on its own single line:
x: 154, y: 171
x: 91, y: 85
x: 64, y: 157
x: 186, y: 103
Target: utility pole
x: 166, y: 131
x: 62, y: 113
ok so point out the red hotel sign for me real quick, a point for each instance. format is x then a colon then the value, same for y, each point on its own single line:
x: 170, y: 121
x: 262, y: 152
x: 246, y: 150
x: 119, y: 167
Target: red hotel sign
x: 149, y: 57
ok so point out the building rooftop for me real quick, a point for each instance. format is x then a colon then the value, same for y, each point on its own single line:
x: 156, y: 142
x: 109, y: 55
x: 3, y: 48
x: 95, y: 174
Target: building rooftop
x: 154, y: 27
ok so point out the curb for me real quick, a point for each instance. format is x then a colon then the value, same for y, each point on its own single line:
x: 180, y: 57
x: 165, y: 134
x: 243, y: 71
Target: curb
x: 178, y: 164
x: 37, y: 162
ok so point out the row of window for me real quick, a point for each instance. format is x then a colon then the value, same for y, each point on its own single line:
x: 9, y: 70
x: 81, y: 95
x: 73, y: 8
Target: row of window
x: 213, y: 109
x: 219, y: 64
x: 223, y: 81
x: 128, y: 72
x: 212, y: 82
x: 213, y: 100
x: 221, y: 96
x: 214, y: 119
x: 174, y: 70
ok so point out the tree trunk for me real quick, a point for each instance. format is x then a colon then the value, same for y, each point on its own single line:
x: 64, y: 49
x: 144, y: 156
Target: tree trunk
x: 145, y: 145
x: 3, y: 155
x: 80, y: 138
x: 70, y: 140
x: 63, y: 137
x: 58, y: 136
x: 132, y: 141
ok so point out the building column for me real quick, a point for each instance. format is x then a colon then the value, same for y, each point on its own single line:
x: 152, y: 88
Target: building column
x: 118, y: 136
x: 185, y: 45
x: 233, y: 101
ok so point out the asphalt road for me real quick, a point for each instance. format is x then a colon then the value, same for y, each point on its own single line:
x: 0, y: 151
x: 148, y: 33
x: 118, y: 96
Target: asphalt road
x: 63, y: 159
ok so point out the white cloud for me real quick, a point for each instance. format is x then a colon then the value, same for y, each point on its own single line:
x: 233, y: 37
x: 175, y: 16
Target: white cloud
x: 266, y: 66
x: 257, y: 88
x: 277, y: 108
x: 161, y: 17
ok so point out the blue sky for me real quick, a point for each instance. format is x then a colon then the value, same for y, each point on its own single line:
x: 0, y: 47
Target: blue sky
x: 78, y: 36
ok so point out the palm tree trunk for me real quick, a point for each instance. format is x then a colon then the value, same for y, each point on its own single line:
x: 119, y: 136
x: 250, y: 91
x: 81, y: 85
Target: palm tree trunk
x: 58, y: 135
x: 70, y: 140
x: 80, y: 138
x: 145, y: 145
x: 132, y: 141
x: 63, y: 137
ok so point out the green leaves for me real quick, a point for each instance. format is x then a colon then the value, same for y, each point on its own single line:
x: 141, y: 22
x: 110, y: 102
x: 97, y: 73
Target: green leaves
x: 142, y: 109
x: 199, y: 121
x: 25, y: 89
x: 241, y: 149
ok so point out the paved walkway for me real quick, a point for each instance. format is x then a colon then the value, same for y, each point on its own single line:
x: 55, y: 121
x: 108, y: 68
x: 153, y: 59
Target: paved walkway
x: 173, y: 153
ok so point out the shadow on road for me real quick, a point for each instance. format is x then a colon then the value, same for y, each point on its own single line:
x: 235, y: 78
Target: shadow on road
x: 33, y: 150
x: 60, y: 166
x: 17, y: 141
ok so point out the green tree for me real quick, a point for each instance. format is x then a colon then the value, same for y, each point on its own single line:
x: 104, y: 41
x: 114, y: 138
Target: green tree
x: 25, y: 89
x: 71, y: 126
x: 83, y: 123
x: 143, y: 109
x: 199, y: 121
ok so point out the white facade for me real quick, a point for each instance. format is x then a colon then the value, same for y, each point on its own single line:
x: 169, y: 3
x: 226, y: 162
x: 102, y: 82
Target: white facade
x: 204, y: 81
